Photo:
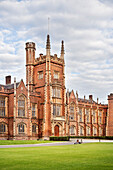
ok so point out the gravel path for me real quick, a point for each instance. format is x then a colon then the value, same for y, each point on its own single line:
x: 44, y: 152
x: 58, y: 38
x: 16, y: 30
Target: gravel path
x: 37, y: 145
x: 71, y: 142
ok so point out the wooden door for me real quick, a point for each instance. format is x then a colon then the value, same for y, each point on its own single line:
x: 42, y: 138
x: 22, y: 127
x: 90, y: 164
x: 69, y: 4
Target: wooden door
x: 56, y: 130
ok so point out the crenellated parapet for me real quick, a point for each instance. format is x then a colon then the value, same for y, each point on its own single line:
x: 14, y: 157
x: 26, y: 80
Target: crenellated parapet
x: 41, y: 59
x: 57, y: 60
x: 53, y: 59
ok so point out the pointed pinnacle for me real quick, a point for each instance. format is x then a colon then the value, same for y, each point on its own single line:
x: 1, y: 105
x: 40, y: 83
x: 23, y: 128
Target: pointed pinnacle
x: 48, y: 42
x: 62, y: 47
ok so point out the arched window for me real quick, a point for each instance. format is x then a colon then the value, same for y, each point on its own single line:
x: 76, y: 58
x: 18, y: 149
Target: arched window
x: 100, y: 131
x: 21, y: 128
x: 21, y: 106
x: 95, y: 131
x: 34, y: 128
x: 88, y: 130
x: 34, y: 109
x: 72, y: 130
x: 81, y: 130
x: 71, y: 112
x: 2, y: 106
x: 2, y: 128
x: 80, y: 114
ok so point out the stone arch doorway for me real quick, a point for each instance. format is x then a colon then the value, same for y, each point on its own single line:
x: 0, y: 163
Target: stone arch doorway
x: 56, y: 130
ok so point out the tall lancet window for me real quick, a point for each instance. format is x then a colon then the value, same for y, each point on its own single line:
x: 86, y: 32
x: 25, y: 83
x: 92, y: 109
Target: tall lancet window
x: 2, y: 106
x: 21, y: 106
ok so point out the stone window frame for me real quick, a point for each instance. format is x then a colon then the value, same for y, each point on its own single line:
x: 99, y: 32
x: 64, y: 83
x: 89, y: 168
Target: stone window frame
x: 94, y: 116
x: 94, y: 131
x: 87, y: 114
x: 20, y: 107
x: 81, y: 130
x: 22, y: 125
x: 80, y: 114
x: 72, y: 130
x: 35, y: 110
x: 56, y: 92
x: 40, y: 74
x: 5, y: 128
x: 2, y: 106
x: 56, y: 107
x: 56, y: 74
x: 100, y: 131
x: 72, y: 111
x: 36, y: 128
x: 88, y: 130
x: 100, y: 117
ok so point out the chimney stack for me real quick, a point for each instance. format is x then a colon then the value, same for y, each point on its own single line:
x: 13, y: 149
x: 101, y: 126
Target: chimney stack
x: 62, y: 50
x: 8, y: 79
x: 91, y: 97
x: 97, y: 100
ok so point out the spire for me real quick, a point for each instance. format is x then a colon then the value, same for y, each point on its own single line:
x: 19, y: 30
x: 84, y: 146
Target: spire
x: 48, y: 45
x: 62, y: 50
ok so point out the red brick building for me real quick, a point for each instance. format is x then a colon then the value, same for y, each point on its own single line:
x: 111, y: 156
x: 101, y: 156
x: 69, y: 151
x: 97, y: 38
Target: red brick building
x: 86, y: 117
x: 42, y: 108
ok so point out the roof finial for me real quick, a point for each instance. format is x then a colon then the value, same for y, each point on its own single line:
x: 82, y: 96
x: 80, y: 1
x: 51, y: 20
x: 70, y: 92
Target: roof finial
x: 62, y: 50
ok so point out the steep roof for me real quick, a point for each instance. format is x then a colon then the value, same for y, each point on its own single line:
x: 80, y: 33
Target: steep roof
x: 86, y: 100
x: 9, y: 86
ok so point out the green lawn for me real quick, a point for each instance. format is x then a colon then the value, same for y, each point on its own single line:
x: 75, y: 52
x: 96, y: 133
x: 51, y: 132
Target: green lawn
x: 70, y: 157
x: 19, y: 142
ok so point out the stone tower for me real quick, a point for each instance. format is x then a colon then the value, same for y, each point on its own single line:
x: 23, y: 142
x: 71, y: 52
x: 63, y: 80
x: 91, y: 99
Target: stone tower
x: 49, y: 79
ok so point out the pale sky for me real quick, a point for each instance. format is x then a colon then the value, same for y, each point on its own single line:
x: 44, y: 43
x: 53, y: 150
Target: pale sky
x: 86, y: 26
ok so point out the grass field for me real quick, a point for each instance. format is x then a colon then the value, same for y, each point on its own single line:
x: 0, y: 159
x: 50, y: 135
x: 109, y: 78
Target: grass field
x: 69, y: 157
x: 19, y: 142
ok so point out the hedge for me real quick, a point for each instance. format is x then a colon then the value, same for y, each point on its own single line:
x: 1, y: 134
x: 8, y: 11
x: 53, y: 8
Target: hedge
x: 93, y: 137
x: 59, y: 138
x: 66, y: 138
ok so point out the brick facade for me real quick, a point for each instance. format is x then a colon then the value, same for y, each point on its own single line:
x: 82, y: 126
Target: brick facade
x: 42, y: 108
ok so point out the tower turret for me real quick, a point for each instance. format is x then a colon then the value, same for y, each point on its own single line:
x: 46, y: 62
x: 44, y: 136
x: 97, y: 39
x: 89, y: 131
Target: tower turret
x: 30, y: 52
x: 30, y: 59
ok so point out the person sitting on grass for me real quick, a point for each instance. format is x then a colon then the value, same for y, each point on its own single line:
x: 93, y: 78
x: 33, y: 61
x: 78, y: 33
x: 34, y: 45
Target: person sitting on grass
x: 77, y: 142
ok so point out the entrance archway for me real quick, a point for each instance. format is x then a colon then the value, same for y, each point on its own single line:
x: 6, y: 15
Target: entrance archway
x: 56, y: 130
